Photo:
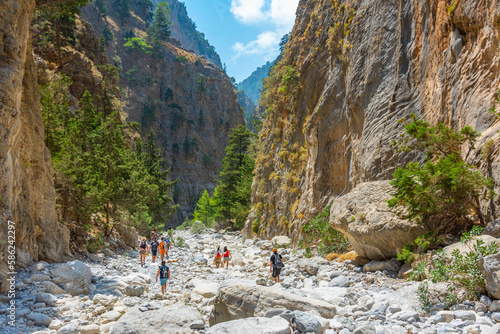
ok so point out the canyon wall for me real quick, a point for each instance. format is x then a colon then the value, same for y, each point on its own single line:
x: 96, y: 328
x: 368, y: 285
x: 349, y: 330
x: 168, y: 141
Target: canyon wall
x: 26, y: 186
x: 350, y: 71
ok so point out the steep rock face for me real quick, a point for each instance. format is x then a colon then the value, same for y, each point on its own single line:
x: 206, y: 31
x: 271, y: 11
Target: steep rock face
x: 189, y: 102
x: 360, y: 67
x: 185, y: 31
x: 253, y: 84
x: 26, y: 186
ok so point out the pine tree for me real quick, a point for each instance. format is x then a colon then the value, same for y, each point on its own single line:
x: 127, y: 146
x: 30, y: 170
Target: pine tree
x: 206, y: 209
x: 159, y: 30
x: 144, y: 9
x: 101, y: 7
x: 236, y: 175
x: 60, y: 21
x: 122, y: 8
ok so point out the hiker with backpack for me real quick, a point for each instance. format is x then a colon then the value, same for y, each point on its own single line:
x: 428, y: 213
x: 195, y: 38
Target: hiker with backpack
x: 154, y: 249
x: 153, y: 234
x: 276, y: 265
x: 227, y: 256
x: 164, y: 273
x: 143, y: 249
x: 218, y: 257
x: 163, y: 247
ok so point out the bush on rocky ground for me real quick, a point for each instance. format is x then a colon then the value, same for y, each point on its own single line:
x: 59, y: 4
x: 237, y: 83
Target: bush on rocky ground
x: 319, y: 234
x: 461, y: 272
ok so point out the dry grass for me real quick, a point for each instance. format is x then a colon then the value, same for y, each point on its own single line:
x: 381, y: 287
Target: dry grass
x: 332, y: 256
x: 353, y: 256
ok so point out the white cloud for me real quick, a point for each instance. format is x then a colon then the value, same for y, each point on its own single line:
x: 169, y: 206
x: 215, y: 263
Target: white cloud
x: 266, y: 45
x: 248, y: 11
x: 278, y: 16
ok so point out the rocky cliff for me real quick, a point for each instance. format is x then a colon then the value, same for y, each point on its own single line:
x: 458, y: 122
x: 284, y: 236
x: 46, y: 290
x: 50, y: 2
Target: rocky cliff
x: 26, y: 186
x: 190, y: 103
x: 184, y: 29
x: 350, y: 71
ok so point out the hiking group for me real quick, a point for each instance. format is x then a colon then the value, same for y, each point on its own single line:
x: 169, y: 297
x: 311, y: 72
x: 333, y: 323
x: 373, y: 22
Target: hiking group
x: 221, y: 257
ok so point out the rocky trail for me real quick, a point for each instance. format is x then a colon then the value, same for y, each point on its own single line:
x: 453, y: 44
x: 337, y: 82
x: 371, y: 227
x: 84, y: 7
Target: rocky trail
x: 110, y: 293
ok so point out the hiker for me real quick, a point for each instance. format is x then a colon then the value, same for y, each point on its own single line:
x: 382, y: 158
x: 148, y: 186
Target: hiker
x: 227, y: 256
x: 169, y: 245
x: 276, y: 265
x: 217, y: 256
x: 143, y: 248
x: 154, y: 249
x: 153, y: 235
x: 163, y: 247
x: 164, y: 273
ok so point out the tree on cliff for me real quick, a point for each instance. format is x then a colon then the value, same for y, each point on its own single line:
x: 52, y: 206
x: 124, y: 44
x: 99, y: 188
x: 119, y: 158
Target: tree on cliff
x: 159, y: 30
x: 445, y: 189
x: 122, y: 9
x: 144, y: 9
x: 57, y: 19
x: 101, y: 7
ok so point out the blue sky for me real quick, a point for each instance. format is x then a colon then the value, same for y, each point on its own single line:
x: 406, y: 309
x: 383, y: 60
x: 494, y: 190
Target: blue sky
x: 245, y: 33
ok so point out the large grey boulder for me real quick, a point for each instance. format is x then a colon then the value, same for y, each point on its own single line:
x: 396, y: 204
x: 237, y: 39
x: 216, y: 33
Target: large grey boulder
x: 118, y: 284
x: 239, y: 301
x: 374, y: 230
x: 305, y: 322
x: 74, y: 277
x: 128, y: 234
x: 260, y: 325
x: 47, y: 298
x: 281, y: 241
x: 490, y: 266
x: 175, y: 318
x: 39, y: 319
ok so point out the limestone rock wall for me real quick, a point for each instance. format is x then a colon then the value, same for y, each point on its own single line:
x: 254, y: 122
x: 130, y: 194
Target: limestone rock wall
x: 26, y: 187
x: 362, y: 66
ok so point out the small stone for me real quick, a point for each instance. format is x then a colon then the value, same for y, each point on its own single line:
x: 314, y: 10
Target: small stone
x: 89, y: 329
x: 340, y: 281
x: 404, y: 316
x: 110, y: 316
x: 134, y: 290
x: 47, y: 298
x: 143, y: 309
x: 495, y: 317
x: 39, y: 319
x: 68, y: 329
x: 261, y: 281
x: 199, y: 324
x: 464, y: 315
x: 443, y: 316
x: 56, y: 324
x: 40, y: 278
x: 495, y: 306
x: 365, y: 329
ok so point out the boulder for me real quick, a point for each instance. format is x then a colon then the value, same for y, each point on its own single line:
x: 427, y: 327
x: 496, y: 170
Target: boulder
x: 176, y: 318
x: 374, y: 230
x: 493, y: 229
x: 104, y: 300
x: 466, y: 247
x: 281, y: 241
x: 110, y: 316
x: 70, y: 328
x: 200, y: 260
x: 207, y: 290
x: 128, y: 234
x: 47, y: 298
x: 391, y: 265
x: 240, y: 301
x: 39, y: 319
x: 305, y: 322
x: 89, y: 329
x: 118, y: 284
x: 365, y: 329
x: 490, y: 267
x: 53, y: 288
x: 134, y: 290
x: 340, y: 281
x: 39, y: 278
x: 260, y: 325
x: 74, y: 277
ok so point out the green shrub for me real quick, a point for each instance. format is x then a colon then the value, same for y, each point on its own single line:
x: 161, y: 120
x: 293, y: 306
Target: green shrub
x: 182, y: 59
x: 180, y: 242
x: 461, y: 271
x: 328, y: 239
x: 197, y: 227
x: 445, y: 189
x: 137, y: 44
x: 419, y: 246
x: 201, y: 83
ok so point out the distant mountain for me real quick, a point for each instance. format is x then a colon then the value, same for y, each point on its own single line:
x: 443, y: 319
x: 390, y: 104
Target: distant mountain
x: 253, y: 84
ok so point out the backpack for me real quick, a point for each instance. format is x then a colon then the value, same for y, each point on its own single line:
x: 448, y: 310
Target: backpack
x: 164, y: 272
x: 277, y: 261
x: 144, y: 245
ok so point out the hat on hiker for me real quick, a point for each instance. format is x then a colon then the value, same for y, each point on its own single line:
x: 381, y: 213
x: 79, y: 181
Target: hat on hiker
x: 275, y: 249
x: 143, y: 238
